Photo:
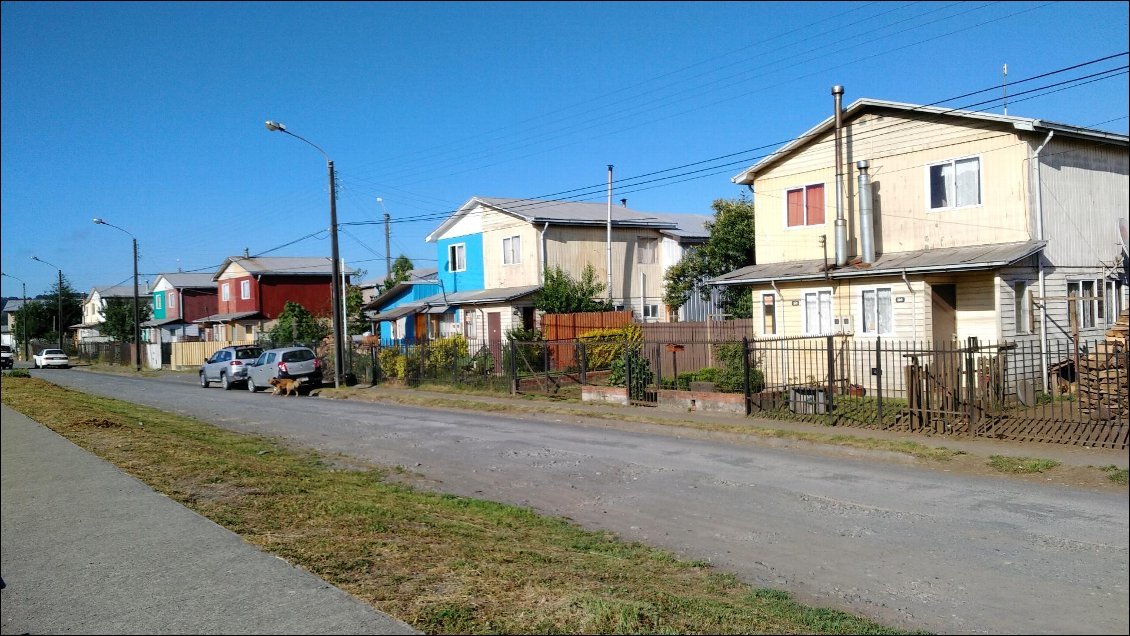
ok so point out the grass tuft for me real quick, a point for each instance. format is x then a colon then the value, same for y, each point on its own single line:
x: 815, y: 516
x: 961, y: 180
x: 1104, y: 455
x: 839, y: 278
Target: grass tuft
x: 1021, y: 465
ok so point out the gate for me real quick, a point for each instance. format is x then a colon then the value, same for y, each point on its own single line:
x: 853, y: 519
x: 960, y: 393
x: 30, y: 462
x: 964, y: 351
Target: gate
x: 942, y: 387
x: 639, y: 360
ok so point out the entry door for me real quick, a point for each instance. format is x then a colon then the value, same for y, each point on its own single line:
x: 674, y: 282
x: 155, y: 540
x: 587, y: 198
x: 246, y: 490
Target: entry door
x: 494, y: 338
x: 421, y: 327
x: 943, y: 308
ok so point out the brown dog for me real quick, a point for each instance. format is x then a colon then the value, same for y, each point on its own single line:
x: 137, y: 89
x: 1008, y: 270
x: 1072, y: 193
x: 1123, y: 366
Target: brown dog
x: 285, y: 386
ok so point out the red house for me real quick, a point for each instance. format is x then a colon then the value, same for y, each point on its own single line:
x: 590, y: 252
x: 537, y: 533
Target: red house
x: 179, y: 299
x: 252, y: 292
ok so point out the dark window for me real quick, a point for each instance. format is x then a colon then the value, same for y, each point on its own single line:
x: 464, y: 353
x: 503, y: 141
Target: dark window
x: 301, y: 355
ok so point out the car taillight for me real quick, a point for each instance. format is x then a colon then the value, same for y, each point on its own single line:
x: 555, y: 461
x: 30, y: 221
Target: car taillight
x: 236, y: 363
x: 282, y: 367
x: 317, y: 363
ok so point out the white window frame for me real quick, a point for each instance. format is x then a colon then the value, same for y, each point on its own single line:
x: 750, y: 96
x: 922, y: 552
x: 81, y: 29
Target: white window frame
x: 225, y: 292
x: 512, y: 250
x: 826, y: 321
x: 1112, y: 308
x: 1085, y: 310
x: 1022, y: 322
x: 869, y: 325
x: 457, y: 255
x: 804, y: 197
x: 172, y: 296
x: 776, y: 313
x: 245, y: 290
x: 157, y: 301
x: 929, y: 188
x: 653, y: 246
x: 651, y: 310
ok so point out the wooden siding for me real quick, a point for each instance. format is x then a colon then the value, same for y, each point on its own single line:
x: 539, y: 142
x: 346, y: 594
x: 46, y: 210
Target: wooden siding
x: 909, y: 317
x: 312, y: 292
x: 572, y: 247
x: 1084, y: 191
x: 899, y: 150
x: 496, y: 274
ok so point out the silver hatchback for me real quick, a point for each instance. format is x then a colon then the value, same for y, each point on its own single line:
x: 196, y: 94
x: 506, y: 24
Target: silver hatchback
x: 299, y: 363
x: 228, y: 366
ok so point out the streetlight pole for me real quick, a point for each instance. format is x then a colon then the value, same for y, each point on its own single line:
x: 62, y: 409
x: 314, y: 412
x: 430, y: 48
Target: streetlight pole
x: 23, y: 312
x: 59, y: 320
x: 335, y: 297
x: 136, y: 300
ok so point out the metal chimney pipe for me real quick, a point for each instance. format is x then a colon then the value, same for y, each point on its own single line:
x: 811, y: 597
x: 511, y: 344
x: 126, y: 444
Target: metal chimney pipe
x: 841, y: 224
x: 866, y: 216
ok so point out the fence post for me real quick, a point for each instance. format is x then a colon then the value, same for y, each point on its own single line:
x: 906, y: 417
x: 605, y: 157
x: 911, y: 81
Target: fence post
x: 831, y: 374
x: 584, y: 364
x: 628, y: 370
x: 373, y: 357
x: 745, y: 376
x: 513, y: 368
x: 971, y: 383
x: 545, y: 362
x: 879, y: 380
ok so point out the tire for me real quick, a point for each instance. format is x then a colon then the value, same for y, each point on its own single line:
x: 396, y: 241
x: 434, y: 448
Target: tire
x: 251, y: 385
x: 224, y: 382
x: 203, y: 381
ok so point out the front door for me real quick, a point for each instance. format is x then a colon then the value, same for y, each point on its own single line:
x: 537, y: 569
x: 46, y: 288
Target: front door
x: 943, y: 312
x: 494, y: 338
x: 421, y: 327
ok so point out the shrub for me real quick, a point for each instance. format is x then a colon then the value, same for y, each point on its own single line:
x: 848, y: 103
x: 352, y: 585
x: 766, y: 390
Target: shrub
x: 443, y: 353
x: 390, y: 362
x: 17, y: 373
x: 640, y: 367
x: 731, y: 377
x: 705, y: 374
x: 603, y: 346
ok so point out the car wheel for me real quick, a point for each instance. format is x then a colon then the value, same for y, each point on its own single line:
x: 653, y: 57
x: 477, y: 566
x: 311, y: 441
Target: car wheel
x: 251, y: 385
x: 224, y: 382
x: 203, y: 381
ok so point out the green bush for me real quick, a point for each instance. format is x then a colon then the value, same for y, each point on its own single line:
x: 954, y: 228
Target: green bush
x: 390, y: 362
x: 705, y: 374
x: 731, y: 377
x: 530, y: 348
x: 17, y: 373
x: 443, y: 354
x: 603, y: 346
x: 640, y: 366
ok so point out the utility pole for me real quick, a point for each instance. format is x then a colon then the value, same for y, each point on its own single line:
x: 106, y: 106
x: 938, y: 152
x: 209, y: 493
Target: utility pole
x: 609, y: 232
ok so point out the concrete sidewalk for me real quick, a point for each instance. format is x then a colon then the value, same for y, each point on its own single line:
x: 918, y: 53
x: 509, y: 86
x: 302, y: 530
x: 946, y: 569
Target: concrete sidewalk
x: 87, y: 549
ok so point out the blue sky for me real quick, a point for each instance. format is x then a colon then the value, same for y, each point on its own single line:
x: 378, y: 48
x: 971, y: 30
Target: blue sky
x: 151, y: 115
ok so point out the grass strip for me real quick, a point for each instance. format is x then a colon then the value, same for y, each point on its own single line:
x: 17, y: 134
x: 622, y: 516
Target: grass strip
x: 1021, y: 465
x: 442, y: 563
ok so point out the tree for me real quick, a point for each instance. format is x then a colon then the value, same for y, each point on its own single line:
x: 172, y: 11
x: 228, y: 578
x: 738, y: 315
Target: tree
x: 730, y: 247
x: 42, y: 313
x: 39, y: 318
x: 400, y: 273
x: 297, y: 324
x: 560, y: 294
x: 119, y: 318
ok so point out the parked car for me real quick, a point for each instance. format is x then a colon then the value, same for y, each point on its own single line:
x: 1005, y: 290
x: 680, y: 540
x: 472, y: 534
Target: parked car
x: 228, y: 366
x: 285, y: 362
x: 7, y: 360
x: 50, y: 358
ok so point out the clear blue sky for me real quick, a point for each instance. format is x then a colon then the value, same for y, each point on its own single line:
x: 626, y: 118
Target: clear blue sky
x: 151, y: 115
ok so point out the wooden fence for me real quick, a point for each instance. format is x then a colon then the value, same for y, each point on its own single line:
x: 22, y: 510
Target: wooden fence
x: 188, y: 355
x: 690, y: 346
x: 572, y: 326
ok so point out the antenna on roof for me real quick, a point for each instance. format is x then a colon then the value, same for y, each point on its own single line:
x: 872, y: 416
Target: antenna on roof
x: 246, y: 254
x: 1004, y: 87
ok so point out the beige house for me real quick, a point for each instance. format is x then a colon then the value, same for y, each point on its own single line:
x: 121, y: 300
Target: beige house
x: 955, y: 224
x: 94, y: 310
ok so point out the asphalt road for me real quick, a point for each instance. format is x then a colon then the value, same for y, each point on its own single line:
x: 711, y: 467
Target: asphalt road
x: 911, y: 548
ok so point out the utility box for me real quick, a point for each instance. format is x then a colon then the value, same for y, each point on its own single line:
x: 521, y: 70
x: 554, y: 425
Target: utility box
x: 808, y: 400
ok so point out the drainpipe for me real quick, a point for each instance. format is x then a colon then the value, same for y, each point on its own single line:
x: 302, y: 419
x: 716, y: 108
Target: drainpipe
x: 841, y: 224
x: 542, y: 264
x: 866, y: 222
x: 913, y: 305
x: 1040, y: 261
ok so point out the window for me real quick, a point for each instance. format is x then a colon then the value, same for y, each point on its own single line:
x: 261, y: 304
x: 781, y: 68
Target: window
x: 817, y: 312
x: 456, y: 258
x: 645, y: 249
x: 157, y: 301
x: 877, y: 311
x: 805, y: 206
x: 1081, y: 304
x: 469, y: 325
x: 955, y: 184
x: 225, y: 292
x: 1113, y: 304
x: 512, y: 250
x: 651, y: 311
x: 245, y: 289
x: 172, y: 299
x: 768, y: 315
x: 1020, y: 299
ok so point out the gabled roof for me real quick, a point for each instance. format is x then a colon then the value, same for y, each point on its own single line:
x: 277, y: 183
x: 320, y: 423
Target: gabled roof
x: 861, y: 106
x: 540, y: 212
x: 187, y: 280
x: 441, y: 302
x: 230, y: 317
x: 945, y: 259
x: 281, y: 266
x: 419, y: 276
x: 117, y: 291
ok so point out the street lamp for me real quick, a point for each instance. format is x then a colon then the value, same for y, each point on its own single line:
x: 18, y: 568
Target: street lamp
x: 335, y: 298
x: 136, y: 302
x: 59, y: 320
x: 23, y: 312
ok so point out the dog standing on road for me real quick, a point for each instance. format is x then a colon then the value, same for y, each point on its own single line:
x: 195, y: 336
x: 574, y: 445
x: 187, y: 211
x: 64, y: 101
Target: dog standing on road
x: 286, y: 386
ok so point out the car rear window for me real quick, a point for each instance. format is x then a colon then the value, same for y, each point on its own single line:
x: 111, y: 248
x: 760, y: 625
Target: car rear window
x: 247, y: 354
x: 301, y: 355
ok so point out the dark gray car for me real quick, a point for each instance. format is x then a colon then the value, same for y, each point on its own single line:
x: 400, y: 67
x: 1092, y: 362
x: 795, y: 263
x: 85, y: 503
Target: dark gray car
x: 228, y: 366
x: 285, y: 362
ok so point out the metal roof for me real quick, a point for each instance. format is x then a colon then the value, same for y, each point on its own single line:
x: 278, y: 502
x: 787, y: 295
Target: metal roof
x: 161, y: 323
x: 398, y: 312
x: 440, y: 303
x: 119, y: 291
x: 860, y: 106
x: 182, y: 280
x: 946, y: 259
x: 281, y: 265
x: 239, y: 315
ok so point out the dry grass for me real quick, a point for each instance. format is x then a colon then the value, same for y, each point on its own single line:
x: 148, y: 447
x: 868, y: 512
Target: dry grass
x: 441, y: 563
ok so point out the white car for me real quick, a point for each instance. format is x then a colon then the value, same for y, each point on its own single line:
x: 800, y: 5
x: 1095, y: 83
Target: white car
x: 51, y: 358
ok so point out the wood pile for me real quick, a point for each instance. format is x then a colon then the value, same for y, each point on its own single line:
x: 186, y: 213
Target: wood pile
x: 1103, y: 375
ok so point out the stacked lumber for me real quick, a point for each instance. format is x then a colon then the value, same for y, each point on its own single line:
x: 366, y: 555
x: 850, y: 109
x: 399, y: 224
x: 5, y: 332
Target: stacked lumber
x: 1104, y: 374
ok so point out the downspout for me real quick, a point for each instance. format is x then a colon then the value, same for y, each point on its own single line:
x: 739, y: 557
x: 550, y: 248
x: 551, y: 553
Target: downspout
x: 1040, y: 262
x: 913, y: 306
x: 541, y: 263
x: 841, y: 224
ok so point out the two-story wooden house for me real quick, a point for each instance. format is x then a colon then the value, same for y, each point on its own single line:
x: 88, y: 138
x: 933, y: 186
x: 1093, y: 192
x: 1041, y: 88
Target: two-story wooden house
x: 179, y: 298
x: 953, y: 224
x: 253, y: 291
x: 94, y: 310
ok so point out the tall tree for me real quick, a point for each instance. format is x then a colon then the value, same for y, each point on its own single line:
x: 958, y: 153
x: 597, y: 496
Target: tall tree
x: 400, y: 272
x: 297, y: 324
x: 560, y: 294
x: 42, y: 314
x: 730, y: 247
x: 119, y: 318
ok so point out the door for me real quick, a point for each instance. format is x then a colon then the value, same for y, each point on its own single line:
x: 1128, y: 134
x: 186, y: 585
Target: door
x: 943, y: 312
x: 421, y: 327
x: 494, y: 338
